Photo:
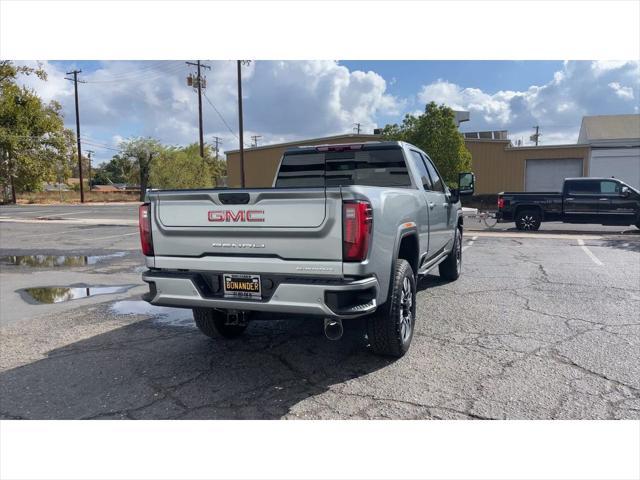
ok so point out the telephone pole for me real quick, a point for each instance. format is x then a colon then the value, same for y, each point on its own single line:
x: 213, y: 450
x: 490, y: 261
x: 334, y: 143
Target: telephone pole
x: 89, y: 153
x: 255, y: 139
x: 75, y: 84
x: 199, y: 85
x: 357, y: 127
x: 240, y: 63
x: 218, y: 142
x: 536, y: 136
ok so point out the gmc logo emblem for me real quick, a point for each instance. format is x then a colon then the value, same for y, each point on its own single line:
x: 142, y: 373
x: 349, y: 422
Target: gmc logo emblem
x: 239, y: 216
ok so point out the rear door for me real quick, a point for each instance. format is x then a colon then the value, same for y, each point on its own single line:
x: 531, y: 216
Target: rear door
x: 439, y: 211
x: 582, y: 200
x: 425, y: 182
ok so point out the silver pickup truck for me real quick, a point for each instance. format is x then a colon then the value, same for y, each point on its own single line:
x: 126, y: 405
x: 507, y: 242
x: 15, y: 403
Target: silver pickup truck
x: 344, y: 232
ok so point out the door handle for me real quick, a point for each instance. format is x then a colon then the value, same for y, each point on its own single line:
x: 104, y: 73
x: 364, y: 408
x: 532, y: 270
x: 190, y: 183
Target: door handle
x: 570, y: 198
x: 431, y: 205
x: 604, y: 199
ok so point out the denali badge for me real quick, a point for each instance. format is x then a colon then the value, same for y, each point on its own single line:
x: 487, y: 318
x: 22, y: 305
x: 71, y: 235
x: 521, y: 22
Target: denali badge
x: 239, y: 216
x: 238, y: 245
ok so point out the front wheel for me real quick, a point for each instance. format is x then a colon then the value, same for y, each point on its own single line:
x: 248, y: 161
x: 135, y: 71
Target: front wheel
x: 390, y: 328
x: 219, y: 323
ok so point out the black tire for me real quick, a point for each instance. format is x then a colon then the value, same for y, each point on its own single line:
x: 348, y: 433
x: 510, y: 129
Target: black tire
x: 528, y: 219
x: 213, y: 323
x: 390, y: 328
x: 451, y: 267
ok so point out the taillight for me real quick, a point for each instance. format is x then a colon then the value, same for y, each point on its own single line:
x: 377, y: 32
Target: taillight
x: 144, y: 222
x: 357, y: 217
x: 500, y: 203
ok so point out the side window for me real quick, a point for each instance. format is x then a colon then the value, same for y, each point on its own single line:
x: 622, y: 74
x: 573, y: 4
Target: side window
x: 424, y: 175
x: 435, y: 178
x: 584, y: 187
x: 608, y: 186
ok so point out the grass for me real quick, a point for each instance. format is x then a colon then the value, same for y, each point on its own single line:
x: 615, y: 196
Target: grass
x: 74, y: 197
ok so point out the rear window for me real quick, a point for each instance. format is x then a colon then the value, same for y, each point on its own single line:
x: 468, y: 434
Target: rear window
x: 373, y: 167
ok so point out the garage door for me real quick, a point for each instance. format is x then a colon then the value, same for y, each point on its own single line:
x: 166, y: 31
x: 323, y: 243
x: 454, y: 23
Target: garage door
x: 547, y: 175
x: 622, y: 163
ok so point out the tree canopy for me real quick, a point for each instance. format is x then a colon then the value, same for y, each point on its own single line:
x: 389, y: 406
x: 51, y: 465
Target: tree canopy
x: 435, y: 131
x: 34, y: 144
x: 146, y: 162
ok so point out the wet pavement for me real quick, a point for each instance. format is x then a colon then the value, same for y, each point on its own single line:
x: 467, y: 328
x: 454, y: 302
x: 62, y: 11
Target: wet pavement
x: 537, y: 327
x: 48, y: 261
x: 66, y: 294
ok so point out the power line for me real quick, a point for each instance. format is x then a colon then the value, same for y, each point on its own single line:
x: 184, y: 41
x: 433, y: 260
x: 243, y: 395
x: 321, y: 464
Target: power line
x: 142, y: 73
x: 356, y: 127
x: 221, y: 117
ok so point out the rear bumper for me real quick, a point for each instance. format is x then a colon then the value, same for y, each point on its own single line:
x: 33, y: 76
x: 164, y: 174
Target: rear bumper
x: 347, y: 299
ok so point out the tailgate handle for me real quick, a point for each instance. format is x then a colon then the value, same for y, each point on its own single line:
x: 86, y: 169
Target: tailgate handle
x: 233, y: 198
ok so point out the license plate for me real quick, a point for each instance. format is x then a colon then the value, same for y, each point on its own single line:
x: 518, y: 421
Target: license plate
x: 242, y: 286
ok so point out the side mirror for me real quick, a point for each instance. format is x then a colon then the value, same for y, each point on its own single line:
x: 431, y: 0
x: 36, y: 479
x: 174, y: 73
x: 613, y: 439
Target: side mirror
x: 466, y: 183
x: 624, y: 191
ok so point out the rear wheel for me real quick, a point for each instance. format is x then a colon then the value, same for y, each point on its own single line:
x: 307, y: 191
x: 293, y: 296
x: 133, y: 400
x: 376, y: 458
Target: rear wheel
x: 451, y: 267
x: 528, y: 220
x: 390, y: 328
x: 220, y: 323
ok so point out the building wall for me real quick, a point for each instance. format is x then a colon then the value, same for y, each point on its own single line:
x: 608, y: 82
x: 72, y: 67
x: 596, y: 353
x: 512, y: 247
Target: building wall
x: 499, y: 167
x: 261, y: 164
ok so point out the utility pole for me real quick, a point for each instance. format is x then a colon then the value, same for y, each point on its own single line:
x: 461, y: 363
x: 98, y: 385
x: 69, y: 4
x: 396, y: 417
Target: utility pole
x: 240, y: 63
x: 218, y: 141
x: 255, y: 139
x: 89, y: 153
x: 75, y: 84
x: 199, y: 85
x: 536, y: 136
x: 357, y: 127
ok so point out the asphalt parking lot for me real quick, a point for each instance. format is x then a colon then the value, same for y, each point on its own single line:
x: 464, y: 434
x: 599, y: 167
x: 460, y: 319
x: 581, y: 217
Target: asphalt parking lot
x: 540, y: 326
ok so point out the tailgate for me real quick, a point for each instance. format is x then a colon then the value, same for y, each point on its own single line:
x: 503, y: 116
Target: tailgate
x: 303, y: 224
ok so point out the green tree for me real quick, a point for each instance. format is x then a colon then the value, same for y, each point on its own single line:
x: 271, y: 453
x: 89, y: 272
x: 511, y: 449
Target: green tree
x: 34, y: 145
x: 142, y: 151
x: 182, y: 167
x: 436, y: 133
x: 119, y: 169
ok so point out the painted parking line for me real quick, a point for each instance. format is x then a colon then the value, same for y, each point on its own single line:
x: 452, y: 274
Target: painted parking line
x: 470, y: 243
x: 551, y: 236
x: 589, y: 253
x: 54, y: 214
x: 74, y: 221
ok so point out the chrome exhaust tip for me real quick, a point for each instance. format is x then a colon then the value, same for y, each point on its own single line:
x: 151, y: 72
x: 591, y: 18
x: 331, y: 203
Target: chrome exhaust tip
x: 333, y: 328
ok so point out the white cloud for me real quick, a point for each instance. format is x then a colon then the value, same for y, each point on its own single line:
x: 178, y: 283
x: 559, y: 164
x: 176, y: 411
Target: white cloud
x: 622, y: 91
x: 580, y: 88
x: 282, y: 100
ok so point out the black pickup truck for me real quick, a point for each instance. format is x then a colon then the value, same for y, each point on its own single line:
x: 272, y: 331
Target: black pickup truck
x: 604, y: 201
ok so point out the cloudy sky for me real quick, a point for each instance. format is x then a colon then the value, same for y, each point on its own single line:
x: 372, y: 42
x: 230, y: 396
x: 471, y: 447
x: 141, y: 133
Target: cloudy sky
x: 287, y: 100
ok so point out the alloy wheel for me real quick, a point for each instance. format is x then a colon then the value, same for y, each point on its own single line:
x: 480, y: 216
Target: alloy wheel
x: 406, y: 310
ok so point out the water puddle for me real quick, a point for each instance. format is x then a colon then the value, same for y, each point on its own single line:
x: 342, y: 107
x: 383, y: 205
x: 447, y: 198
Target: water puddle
x: 65, y: 294
x: 50, y: 261
x: 173, y: 317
